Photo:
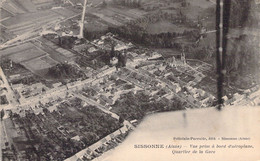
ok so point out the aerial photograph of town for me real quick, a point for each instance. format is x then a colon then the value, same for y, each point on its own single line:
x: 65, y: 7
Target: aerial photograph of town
x: 78, y: 76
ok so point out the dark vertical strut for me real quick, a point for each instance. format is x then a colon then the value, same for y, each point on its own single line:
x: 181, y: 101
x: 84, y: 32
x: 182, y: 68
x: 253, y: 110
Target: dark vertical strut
x: 218, y: 62
x: 222, y: 25
x: 226, y: 17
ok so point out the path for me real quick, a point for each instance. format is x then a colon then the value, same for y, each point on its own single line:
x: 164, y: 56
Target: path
x: 1, y: 140
x: 10, y: 94
x: 94, y: 103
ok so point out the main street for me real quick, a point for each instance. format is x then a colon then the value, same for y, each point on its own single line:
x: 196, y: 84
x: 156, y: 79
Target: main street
x: 94, y: 103
x: 1, y: 139
x: 9, y: 92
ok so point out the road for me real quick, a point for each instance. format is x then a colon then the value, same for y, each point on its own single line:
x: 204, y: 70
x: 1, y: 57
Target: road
x: 211, y: 31
x: 10, y: 93
x: 11, y: 100
x: 94, y: 103
x: 57, y: 92
x: 1, y: 139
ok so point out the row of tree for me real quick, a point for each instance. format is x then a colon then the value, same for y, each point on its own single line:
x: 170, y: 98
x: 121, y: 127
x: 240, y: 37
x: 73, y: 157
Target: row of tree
x: 128, y: 3
x: 65, y: 71
x: 180, y: 18
x: 162, y: 40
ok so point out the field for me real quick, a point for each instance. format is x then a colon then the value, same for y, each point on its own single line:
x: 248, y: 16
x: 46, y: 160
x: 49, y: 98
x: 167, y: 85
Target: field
x: 4, y: 14
x: 63, y: 12
x: 118, y: 15
x: 29, y: 17
x: 30, y: 56
x: 166, y: 53
x: 41, y: 1
x: 51, y: 49
x: 22, y: 23
x: 27, y: 5
x: 13, y: 7
x: 49, y: 60
x: 16, y: 49
x: 202, y: 3
x: 93, y: 26
x: 39, y: 65
x: 164, y: 27
x: 22, y: 52
x: 26, y: 55
x: 64, y: 52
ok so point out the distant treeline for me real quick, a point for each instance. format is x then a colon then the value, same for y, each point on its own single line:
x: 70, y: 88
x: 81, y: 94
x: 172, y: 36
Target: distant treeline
x: 128, y: 3
x: 135, y: 31
x: 162, y: 40
x: 175, y: 18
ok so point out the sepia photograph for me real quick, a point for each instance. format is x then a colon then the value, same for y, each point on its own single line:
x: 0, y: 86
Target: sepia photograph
x: 130, y: 80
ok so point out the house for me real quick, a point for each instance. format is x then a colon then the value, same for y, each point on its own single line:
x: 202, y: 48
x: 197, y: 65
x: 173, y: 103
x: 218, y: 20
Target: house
x: 153, y: 93
x: 18, y: 86
x: 225, y: 98
x: 162, y: 68
x: 92, y: 49
x: 207, y: 101
x: 76, y: 138
x: 105, y: 99
x: 15, y: 76
x: 201, y: 92
x: 237, y: 97
x: 56, y: 85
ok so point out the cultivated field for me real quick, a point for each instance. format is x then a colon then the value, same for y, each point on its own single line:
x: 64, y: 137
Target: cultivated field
x: 118, y: 16
x: 39, y: 65
x: 4, y: 14
x: 202, y: 3
x: 16, y: 49
x: 166, y: 26
x: 65, y: 52
x: 26, y: 55
x: 63, y: 12
x: 30, y: 56
x: 53, y: 50
x: 26, y: 22
x: 24, y: 52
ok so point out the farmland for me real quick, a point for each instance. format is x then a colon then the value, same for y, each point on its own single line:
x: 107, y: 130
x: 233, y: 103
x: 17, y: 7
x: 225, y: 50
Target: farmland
x: 165, y: 26
x: 30, y: 56
x: 117, y: 16
x: 27, y: 22
x: 39, y: 64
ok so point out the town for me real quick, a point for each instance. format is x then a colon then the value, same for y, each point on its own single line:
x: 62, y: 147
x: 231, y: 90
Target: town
x: 68, y: 96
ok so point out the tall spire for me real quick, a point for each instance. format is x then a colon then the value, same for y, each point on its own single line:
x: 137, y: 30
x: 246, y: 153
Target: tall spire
x: 81, y: 23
